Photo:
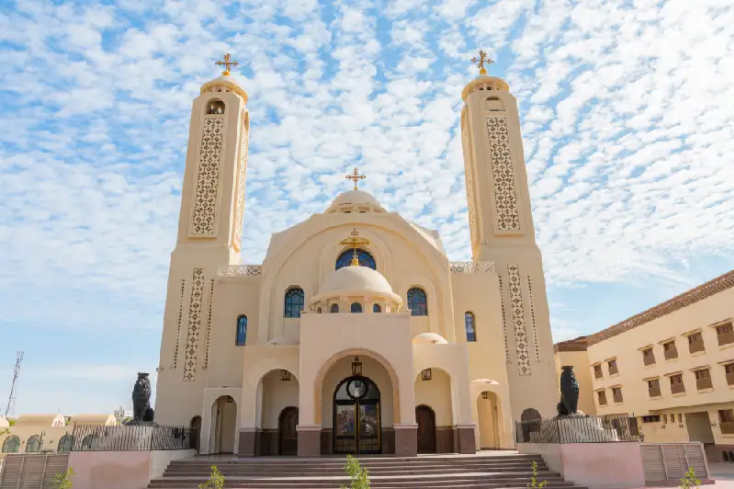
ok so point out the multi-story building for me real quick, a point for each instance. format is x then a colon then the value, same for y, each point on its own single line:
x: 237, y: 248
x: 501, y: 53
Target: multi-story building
x: 670, y: 367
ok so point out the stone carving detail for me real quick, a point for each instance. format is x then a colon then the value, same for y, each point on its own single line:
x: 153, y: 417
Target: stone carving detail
x: 518, y: 320
x: 472, y: 267
x: 192, y: 339
x: 204, y: 214
x: 240, y: 270
x: 205, y: 365
x: 532, y: 318
x: 241, y: 176
x: 508, y: 360
x: 503, y: 174
x: 469, y: 187
x: 178, y: 325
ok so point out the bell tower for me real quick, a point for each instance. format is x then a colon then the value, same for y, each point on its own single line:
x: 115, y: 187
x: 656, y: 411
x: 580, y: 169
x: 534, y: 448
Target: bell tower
x: 502, y: 231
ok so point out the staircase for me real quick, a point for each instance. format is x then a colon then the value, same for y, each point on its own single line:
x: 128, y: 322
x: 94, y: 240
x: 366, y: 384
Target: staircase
x: 484, y: 470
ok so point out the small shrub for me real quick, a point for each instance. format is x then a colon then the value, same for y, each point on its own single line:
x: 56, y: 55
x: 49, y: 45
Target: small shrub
x: 63, y: 480
x: 689, y: 480
x: 360, y: 477
x: 534, y: 480
x: 216, y: 480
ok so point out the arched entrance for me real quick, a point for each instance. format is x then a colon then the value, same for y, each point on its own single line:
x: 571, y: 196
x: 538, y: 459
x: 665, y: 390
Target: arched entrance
x: 426, y: 419
x: 530, y: 423
x: 195, y: 427
x: 488, y: 420
x: 224, y: 419
x: 287, y: 434
x: 357, y: 419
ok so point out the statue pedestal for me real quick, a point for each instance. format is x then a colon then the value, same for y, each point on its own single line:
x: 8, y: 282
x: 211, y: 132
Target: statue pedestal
x: 574, y: 429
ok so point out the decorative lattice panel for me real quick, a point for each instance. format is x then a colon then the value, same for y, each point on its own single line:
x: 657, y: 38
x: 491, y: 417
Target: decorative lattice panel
x: 204, y: 214
x: 205, y: 365
x: 469, y: 176
x: 503, y: 175
x: 192, y: 338
x: 178, y: 325
x: 518, y: 319
x: 532, y: 319
x: 508, y: 360
x: 241, y: 176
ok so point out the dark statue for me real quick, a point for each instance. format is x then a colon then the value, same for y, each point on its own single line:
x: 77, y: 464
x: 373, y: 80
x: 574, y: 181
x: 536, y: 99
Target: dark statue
x: 141, y: 399
x: 569, y: 393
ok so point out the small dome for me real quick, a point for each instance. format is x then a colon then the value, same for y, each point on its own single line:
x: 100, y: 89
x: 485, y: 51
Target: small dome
x: 354, y: 198
x: 429, y: 339
x: 224, y: 83
x: 354, y: 278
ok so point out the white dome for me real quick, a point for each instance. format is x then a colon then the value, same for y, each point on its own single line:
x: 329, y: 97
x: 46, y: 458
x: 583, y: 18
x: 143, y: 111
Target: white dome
x: 353, y: 278
x: 354, y: 198
x: 429, y: 339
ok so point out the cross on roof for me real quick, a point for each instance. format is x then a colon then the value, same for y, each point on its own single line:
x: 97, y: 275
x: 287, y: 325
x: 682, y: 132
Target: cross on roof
x: 355, y: 241
x: 479, y: 61
x: 226, y: 63
x: 356, y: 177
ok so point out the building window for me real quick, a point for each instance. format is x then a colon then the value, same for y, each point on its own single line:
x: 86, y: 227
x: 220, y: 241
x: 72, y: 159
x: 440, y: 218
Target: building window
x: 703, y: 379
x: 376, y: 308
x: 294, y: 301
x: 471, y: 332
x: 695, y: 343
x: 654, y: 418
x: 65, y: 444
x: 648, y: 357
x: 241, y: 338
x: 617, y: 394
x: 612, y: 364
x: 680, y: 418
x: 34, y: 444
x: 729, y: 370
x: 364, y: 257
x: 215, y: 107
x: 11, y: 444
x: 602, y: 395
x: 653, y: 387
x: 725, y: 334
x: 598, y: 374
x: 356, y: 307
x: 726, y: 421
x: 417, y: 302
x: 334, y: 308
x: 676, y: 384
x: 670, y: 351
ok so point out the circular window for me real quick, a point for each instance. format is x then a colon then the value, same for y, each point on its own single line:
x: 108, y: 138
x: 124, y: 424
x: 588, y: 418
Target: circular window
x: 357, y: 389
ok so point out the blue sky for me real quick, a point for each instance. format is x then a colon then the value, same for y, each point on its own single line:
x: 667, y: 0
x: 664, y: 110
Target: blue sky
x: 627, y: 119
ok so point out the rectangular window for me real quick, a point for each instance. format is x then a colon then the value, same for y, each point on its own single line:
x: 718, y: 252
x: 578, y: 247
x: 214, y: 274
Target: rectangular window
x: 725, y: 334
x: 670, y: 351
x: 695, y: 343
x: 613, y: 367
x: 729, y: 369
x: 648, y: 357
x: 703, y: 379
x: 597, y: 372
x: 676, y: 384
x: 617, y: 394
x: 726, y: 421
x: 602, y: 398
x: 653, y: 387
x: 680, y: 418
x: 655, y: 418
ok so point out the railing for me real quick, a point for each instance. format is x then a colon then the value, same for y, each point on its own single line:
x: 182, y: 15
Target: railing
x: 240, y: 271
x: 577, y: 429
x: 472, y: 267
x: 130, y: 438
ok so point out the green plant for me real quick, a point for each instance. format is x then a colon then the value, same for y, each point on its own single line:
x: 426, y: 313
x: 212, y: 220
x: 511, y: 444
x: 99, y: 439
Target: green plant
x: 63, y: 480
x: 534, y: 479
x: 689, y: 480
x: 216, y: 480
x: 360, y: 477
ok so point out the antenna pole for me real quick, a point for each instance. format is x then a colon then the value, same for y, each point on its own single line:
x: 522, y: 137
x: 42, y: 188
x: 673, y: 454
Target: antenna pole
x: 10, y: 409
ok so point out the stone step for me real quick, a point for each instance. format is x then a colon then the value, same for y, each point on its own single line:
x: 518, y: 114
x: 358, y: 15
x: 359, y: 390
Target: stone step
x: 520, y: 468
x: 363, y: 460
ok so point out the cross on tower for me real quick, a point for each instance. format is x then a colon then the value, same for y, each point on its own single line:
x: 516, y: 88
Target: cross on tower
x: 226, y: 63
x: 479, y: 61
x: 356, y: 177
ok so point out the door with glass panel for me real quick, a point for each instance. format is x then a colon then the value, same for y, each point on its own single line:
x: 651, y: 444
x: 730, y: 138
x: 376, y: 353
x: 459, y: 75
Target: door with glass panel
x: 357, y: 423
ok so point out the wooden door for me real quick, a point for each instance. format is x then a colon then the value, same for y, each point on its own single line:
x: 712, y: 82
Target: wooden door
x: 426, y: 419
x: 287, y: 431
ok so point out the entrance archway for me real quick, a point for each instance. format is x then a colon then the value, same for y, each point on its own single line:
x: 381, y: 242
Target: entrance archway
x: 287, y: 434
x: 530, y: 423
x: 195, y: 427
x: 356, y: 417
x: 488, y: 420
x: 426, y: 419
x: 224, y: 421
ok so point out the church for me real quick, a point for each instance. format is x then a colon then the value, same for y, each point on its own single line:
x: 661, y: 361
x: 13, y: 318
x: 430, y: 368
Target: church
x: 357, y: 334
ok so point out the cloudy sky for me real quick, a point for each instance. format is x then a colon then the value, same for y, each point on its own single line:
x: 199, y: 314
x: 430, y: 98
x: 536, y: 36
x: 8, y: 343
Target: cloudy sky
x: 628, y: 124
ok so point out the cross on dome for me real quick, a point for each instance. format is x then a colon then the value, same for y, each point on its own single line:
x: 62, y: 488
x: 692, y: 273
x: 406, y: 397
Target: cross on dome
x: 355, y: 241
x: 226, y: 63
x: 356, y: 177
x: 479, y: 61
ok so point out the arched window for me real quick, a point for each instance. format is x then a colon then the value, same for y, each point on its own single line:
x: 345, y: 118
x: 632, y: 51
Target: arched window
x: 470, y: 325
x: 241, y: 331
x: 89, y: 442
x: 334, y: 308
x: 318, y: 310
x: 215, y: 107
x: 11, y: 444
x: 294, y: 301
x: 356, y: 307
x: 364, y: 257
x: 417, y: 302
x: 65, y: 444
x: 33, y: 445
x: 376, y: 308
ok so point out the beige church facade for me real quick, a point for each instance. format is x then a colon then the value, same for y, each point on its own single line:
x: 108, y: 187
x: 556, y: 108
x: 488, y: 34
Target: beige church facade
x: 356, y: 334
